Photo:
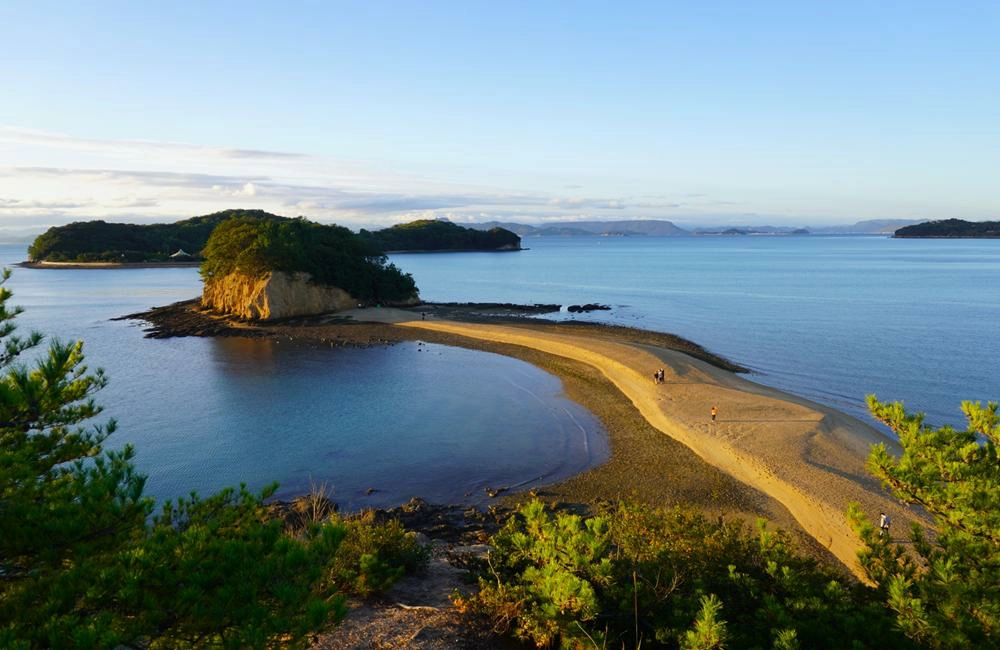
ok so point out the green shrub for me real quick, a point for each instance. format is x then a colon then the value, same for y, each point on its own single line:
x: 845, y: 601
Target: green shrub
x: 944, y: 587
x: 373, y: 555
x: 632, y: 576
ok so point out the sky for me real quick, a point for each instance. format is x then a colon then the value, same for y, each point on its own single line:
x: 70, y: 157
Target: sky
x: 372, y: 113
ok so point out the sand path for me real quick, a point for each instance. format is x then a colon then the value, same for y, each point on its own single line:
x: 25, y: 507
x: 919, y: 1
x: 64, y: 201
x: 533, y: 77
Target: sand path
x: 808, y: 457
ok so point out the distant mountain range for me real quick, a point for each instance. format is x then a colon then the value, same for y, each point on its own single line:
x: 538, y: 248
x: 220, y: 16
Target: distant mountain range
x: 869, y: 227
x: 660, y: 228
x: 645, y: 227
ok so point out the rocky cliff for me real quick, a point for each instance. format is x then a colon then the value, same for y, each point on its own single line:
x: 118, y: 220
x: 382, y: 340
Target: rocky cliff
x: 275, y: 295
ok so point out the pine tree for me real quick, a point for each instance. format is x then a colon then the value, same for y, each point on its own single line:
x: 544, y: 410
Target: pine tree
x: 948, y: 596
x: 709, y: 631
x: 82, y: 565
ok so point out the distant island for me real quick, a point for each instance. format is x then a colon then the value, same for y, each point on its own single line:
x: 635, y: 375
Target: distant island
x: 440, y: 235
x: 951, y: 228
x: 628, y: 227
x: 99, y: 242
x: 95, y: 243
x: 663, y: 228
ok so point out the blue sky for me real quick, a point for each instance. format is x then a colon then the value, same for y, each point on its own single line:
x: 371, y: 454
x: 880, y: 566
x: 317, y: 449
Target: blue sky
x: 377, y: 112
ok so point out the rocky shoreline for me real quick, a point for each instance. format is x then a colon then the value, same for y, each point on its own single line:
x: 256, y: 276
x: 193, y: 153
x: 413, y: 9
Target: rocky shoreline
x: 189, y: 318
x: 453, y: 524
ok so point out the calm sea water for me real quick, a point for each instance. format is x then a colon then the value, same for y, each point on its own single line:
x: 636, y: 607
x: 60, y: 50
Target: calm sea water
x: 408, y: 420
x: 829, y: 318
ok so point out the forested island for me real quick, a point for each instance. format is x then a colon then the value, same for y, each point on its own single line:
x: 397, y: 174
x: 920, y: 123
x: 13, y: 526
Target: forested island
x: 88, y: 242
x: 439, y: 235
x: 260, y: 268
x: 957, y: 228
x: 99, y: 241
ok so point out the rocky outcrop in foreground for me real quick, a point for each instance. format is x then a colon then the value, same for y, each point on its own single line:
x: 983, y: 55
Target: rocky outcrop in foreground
x: 275, y: 295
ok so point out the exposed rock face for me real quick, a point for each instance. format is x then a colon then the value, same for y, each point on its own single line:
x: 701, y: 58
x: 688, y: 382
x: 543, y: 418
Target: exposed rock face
x: 275, y: 295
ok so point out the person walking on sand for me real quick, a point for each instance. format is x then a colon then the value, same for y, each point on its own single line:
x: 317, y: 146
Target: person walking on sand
x: 714, y: 412
x: 883, y: 524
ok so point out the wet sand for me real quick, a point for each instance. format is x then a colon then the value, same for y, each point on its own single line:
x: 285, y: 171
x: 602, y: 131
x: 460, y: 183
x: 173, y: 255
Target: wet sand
x: 807, y: 457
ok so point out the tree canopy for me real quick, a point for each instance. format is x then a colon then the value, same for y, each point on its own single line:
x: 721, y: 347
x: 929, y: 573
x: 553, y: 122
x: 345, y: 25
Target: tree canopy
x: 947, y: 593
x: 99, y: 241
x: 436, y: 235
x: 330, y: 254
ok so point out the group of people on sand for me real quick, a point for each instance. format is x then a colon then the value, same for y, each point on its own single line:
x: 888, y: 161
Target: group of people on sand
x: 658, y: 376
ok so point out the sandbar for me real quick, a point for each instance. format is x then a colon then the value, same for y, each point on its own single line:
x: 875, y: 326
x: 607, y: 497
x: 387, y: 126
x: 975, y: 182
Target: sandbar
x: 768, y: 453
x: 808, y: 457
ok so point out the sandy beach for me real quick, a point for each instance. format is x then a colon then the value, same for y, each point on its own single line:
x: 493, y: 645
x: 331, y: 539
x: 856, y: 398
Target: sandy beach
x: 807, y: 457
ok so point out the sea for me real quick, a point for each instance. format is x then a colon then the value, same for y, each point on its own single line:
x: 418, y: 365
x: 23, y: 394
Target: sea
x: 828, y: 318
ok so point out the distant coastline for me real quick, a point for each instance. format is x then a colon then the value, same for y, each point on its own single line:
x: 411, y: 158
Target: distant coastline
x: 422, y: 251
x: 107, y: 265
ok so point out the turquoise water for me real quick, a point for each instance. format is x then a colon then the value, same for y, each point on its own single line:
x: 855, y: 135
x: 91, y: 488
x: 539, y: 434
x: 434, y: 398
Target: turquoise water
x: 829, y: 318
x: 408, y: 420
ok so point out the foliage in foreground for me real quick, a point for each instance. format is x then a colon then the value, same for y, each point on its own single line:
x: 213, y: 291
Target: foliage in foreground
x: 948, y: 595
x: 330, y: 254
x: 373, y: 555
x: 633, y: 577
x: 83, y: 564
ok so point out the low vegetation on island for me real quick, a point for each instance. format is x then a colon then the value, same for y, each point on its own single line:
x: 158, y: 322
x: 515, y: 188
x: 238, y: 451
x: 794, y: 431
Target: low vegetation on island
x: 948, y: 228
x: 440, y: 235
x: 331, y: 255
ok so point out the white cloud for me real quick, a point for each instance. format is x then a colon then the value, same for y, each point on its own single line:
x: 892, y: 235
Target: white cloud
x: 35, y: 137
x: 54, y: 177
x: 246, y: 190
